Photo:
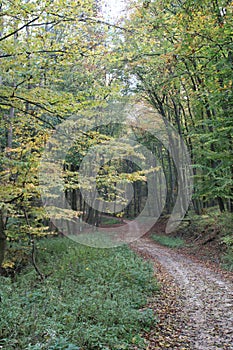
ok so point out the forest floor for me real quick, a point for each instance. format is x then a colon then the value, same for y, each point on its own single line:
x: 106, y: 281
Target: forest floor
x: 195, y: 304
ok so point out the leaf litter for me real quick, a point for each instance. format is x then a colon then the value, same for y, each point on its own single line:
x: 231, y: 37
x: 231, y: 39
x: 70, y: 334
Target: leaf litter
x: 194, y: 307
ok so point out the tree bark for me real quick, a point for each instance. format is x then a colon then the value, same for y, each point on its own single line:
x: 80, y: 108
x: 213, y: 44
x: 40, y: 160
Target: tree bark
x: 2, y: 240
x: 221, y: 204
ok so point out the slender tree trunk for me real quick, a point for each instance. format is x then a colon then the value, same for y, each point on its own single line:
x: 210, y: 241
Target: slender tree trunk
x: 221, y: 204
x: 231, y: 206
x: 2, y: 225
x: 10, y: 128
x: 2, y: 239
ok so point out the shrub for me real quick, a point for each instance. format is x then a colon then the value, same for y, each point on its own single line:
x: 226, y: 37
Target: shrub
x: 171, y: 242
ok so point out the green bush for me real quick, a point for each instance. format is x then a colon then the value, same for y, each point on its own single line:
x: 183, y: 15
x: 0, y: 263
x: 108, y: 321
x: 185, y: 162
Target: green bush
x: 171, y: 242
x: 91, y: 300
x: 227, y: 260
x: 227, y: 239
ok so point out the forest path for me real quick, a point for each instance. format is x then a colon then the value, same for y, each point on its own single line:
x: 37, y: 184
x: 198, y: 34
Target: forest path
x: 195, y: 304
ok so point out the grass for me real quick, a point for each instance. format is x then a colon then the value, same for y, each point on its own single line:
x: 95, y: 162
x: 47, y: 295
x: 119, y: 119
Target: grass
x: 171, y: 242
x: 93, y: 299
x: 109, y: 220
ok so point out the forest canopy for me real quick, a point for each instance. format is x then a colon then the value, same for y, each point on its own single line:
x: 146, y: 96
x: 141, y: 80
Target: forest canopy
x: 62, y: 58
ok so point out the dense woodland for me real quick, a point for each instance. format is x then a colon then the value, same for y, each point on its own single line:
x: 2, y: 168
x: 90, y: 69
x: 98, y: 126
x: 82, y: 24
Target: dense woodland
x: 164, y: 68
x: 61, y: 58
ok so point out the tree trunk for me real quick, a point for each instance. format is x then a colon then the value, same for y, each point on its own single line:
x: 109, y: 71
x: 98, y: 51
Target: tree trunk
x: 221, y: 204
x: 2, y: 240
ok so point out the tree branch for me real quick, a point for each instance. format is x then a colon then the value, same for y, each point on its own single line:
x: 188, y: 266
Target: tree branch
x: 19, y: 29
x: 31, y: 114
x: 14, y: 199
x: 41, y: 275
x: 82, y: 18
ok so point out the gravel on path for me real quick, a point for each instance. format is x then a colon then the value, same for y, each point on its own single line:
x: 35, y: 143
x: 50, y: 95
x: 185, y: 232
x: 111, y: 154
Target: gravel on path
x: 195, y: 304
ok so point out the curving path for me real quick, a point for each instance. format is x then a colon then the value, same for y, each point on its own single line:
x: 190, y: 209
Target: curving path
x: 205, y: 297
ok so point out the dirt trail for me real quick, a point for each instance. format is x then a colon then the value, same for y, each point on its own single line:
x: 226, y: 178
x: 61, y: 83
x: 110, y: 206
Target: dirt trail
x: 205, y: 312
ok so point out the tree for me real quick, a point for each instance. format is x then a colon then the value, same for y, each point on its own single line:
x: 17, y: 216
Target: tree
x: 52, y: 64
x: 181, y: 57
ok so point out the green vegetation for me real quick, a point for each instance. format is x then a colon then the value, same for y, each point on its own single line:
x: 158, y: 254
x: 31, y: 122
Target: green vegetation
x: 227, y: 260
x: 61, y: 58
x: 226, y: 228
x: 91, y: 299
x: 212, y: 227
x: 168, y: 241
x: 181, y: 54
x: 109, y: 220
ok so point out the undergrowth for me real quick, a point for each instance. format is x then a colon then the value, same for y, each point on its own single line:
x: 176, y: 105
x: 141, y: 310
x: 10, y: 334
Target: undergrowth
x: 212, y: 226
x: 227, y: 239
x: 171, y: 242
x: 109, y: 221
x: 92, y: 299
